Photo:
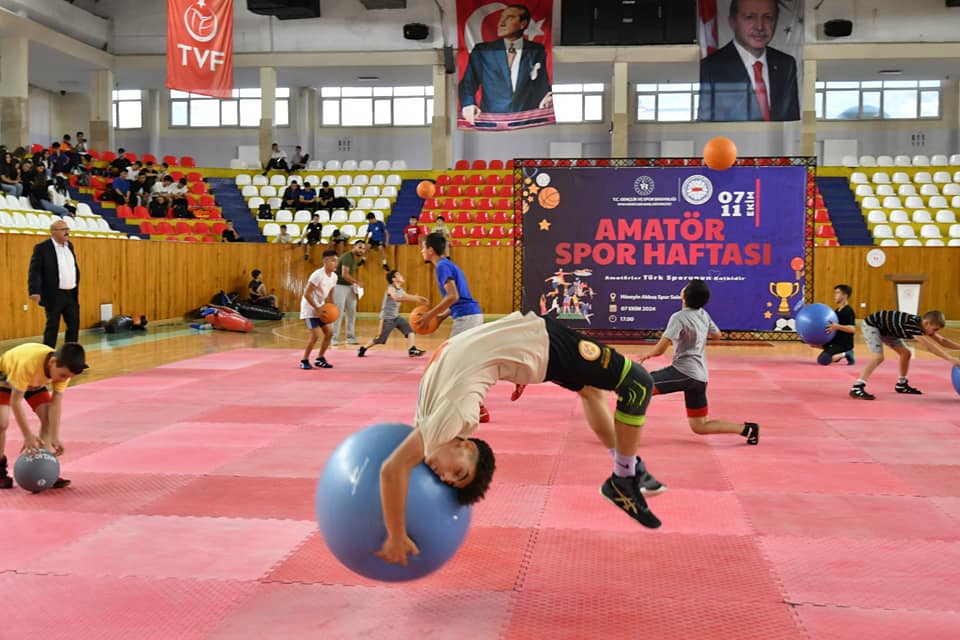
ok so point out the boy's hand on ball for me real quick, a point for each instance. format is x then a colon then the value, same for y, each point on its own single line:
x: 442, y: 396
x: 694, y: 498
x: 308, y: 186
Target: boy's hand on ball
x: 31, y: 441
x: 395, y: 550
x: 57, y: 447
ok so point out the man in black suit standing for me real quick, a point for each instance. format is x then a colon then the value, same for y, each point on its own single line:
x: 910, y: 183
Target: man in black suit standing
x: 511, y: 71
x: 53, y: 283
x: 747, y: 79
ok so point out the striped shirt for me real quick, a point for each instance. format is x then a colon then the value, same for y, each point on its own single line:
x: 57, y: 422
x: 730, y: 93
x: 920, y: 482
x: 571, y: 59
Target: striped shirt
x: 896, y: 324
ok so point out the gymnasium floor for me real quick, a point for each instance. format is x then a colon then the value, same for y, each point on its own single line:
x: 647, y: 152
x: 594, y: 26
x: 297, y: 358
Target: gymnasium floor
x: 194, y: 458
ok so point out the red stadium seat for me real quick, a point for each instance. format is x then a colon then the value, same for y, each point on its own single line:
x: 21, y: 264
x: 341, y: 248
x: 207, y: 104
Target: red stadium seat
x: 462, y: 165
x: 187, y: 161
x: 448, y: 203
x: 218, y: 227
x: 484, y: 203
x: 198, y: 188
x: 472, y: 243
x: 495, y: 164
x: 479, y: 165
x: 176, y: 175
x: 140, y: 211
x: 501, y: 217
x: 149, y: 157
x: 498, y: 232
x: 461, y: 217
x: 183, y: 227
x: 109, y: 156
x: 427, y: 217
x: 826, y: 231
x: 193, y: 176
x: 132, y: 157
x: 147, y: 227
x: 460, y: 178
x: 472, y: 191
x: 123, y: 211
x: 465, y: 203
x: 458, y: 232
x: 201, y: 227
x: 494, y: 179
x: 444, y: 179
x: 477, y: 179
x: 822, y: 216
x: 506, y: 191
x: 488, y: 192
x: 189, y: 239
x: 503, y: 204
x: 431, y: 203
x: 36, y: 148
x: 208, y: 239
x: 207, y: 200
x: 481, y: 217
x: 93, y: 153
x: 477, y: 232
x: 508, y: 164
x: 170, y: 160
x: 453, y: 191
x: 164, y: 228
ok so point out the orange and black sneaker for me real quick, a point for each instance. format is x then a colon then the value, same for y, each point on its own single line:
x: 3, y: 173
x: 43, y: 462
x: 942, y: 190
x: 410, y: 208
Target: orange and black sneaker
x: 624, y: 493
x: 6, y: 482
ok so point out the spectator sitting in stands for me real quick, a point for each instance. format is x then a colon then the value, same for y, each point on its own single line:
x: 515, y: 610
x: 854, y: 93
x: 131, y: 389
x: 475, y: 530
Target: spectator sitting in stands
x: 312, y: 234
x: 41, y: 158
x: 60, y: 163
x: 441, y: 227
x: 121, y: 162
x: 230, y: 234
x: 163, y: 171
x: 308, y: 197
x: 258, y: 292
x: 40, y: 193
x: 134, y: 170
x: 81, y: 146
x: 26, y: 176
x: 65, y: 145
x: 283, y: 237
x: 118, y: 190
x: 339, y: 241
x: 10, y: 176
x: 299, y: 160
x: 325, y: 196
x: 179, y: 191
x: 150, y: 171
x: 291, y: 195
x: 278, y: 160
x: 139, y: 191
x: 162, y: 198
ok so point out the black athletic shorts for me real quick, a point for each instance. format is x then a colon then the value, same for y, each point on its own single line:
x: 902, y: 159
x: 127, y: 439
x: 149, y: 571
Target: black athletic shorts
x: 671, y: 380
x: 577, y: 361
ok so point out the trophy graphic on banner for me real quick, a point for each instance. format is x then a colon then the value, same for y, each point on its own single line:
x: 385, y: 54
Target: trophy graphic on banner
x: 784, y: 290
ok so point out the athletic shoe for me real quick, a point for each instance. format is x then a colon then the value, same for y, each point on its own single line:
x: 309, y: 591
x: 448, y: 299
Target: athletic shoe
x: 484, y: 414
x: 903, y: 387
x: 849, y: 356
x: 60, y: 483
x: 322, y: 363
x: 6, y: 482
x: 624, y: 493
x: 413, y: 352
x: 362, y: 352
x: 649, y: 486
x: 859, y: 391
x: 305, y: 364
x: 751, y: 431
x: 517, y: 392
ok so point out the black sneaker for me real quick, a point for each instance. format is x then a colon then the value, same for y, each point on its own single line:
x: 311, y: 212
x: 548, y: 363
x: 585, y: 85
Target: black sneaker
x: 415, y: 353
x: 649, y: 486
x: 6, y: 482
x: 859, y: 391
x: 60, y: 483
x: 903, y: 387
x: 322, y: 363
x: 362, y: 352
x: 305, y: 364
x: 624, y: 493
x: 751, y: 431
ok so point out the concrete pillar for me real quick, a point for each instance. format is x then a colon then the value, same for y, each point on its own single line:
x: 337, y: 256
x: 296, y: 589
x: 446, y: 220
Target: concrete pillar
x: 151, y: 120
x: 440, y: 134
x: 15, y: 92
x: 307, y: 110
x: 100, y: 135
x: 808, y: 102
x: 620, y: 131
x: 268, y: 99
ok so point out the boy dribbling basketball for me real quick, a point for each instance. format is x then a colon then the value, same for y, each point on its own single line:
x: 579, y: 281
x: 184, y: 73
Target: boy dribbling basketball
x: 318, y: 292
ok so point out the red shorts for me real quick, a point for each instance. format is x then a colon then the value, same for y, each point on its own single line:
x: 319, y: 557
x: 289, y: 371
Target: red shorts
x: 34, y: 397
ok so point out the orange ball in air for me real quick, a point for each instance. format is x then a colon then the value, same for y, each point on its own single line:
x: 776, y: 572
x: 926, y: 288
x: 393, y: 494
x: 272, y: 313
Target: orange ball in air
x: 415, y: 316
x: 720, y: 154
x: 426, y: 189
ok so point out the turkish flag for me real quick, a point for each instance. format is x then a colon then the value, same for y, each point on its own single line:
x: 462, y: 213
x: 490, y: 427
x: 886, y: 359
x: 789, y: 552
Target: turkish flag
x: 200, y: 46
x: 708, y: 27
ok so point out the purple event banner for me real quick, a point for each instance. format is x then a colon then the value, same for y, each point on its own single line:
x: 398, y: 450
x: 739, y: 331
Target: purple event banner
x: 610, y: 248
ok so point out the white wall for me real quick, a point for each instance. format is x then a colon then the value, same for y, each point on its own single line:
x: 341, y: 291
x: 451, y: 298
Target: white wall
x: 885, y: 20
x: 41, y: 116
x: 52, y: 115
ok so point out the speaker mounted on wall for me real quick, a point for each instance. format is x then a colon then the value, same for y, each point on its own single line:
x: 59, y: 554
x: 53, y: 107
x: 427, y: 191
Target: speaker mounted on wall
x: 286, y: 9
x: 416, y: 31
x: 837, y: 28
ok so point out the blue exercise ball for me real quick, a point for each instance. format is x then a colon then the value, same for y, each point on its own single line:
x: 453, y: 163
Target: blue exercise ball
x: 351, y: 518
x: 812, y: 321
x: 36, y: 470
x: 955, y: 377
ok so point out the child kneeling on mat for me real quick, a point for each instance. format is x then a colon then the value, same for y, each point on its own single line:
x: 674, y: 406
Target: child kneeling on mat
x: 523, y: 349
x: 390, y: 317
x: 25, y: 372
x: 841, y: 346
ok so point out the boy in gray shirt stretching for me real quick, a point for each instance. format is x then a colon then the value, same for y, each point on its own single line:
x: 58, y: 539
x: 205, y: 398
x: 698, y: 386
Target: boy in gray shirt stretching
x: 688, y: 330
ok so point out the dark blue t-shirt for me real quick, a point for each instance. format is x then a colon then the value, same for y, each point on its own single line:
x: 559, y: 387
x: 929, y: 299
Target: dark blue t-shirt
x: 120, y: 184
x: 377, y: 231
x: 466, y: 305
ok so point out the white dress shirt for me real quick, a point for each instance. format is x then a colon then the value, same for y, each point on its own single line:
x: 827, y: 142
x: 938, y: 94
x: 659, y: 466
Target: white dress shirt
x: 66, y: 265
x: 515, y: 67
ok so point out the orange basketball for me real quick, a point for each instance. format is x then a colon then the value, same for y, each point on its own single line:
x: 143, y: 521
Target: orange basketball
x: 329, y: 313
x: 426, y: 189
x: 549, y: 197
x: 720, y: 154
x: 415, y: 316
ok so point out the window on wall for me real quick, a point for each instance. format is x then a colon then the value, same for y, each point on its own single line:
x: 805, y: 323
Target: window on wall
x: 578, y: 102
x: 376, y: 106
x: 242, y: 109
x: 128, y: 109
x: 668, y: 102
x: 878, y: 100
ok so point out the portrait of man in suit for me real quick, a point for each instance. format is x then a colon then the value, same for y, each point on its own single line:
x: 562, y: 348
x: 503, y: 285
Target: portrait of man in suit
x: 510, y: 72
x: 53, y: 281
x: 747, y: 79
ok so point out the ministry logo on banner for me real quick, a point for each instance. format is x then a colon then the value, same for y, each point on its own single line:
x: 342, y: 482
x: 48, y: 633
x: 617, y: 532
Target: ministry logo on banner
x: 200, y: 46
x: 505, y: 63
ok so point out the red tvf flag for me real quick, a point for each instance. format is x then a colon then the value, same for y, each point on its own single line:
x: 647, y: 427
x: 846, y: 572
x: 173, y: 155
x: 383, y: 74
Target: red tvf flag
x: 200, y: 46
x: 708, y: 27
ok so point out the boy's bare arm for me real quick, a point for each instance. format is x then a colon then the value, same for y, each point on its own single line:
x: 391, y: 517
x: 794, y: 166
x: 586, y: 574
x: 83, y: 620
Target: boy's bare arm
x: 394, y: 482
x: 658, y: 349
x: 933, y: 347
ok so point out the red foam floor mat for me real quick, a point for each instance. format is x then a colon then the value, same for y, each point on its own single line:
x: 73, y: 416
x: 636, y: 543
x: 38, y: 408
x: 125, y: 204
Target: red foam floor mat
x: 192, y: 505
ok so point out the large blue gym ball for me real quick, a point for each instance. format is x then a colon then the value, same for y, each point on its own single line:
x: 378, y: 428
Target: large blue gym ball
x: 36, y: 470
x: 955, y: 377
x: 812, y: 321
x: 351, y: 518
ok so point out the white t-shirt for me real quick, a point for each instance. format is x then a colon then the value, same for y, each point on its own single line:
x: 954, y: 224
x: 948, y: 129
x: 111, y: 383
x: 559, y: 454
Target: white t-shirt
x: 324, y: 283
x: 515, y: 348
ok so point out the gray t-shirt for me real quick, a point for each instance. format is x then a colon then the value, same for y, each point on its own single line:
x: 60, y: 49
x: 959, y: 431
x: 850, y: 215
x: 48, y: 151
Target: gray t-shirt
x: 688, y: 330
x: 390, y: 309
